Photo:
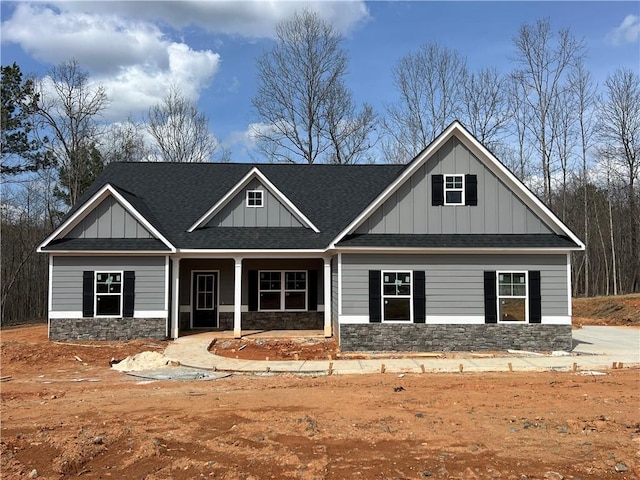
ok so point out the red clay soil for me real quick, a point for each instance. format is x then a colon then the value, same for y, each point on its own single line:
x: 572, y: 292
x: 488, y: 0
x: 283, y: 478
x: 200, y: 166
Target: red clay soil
x: 613, y: 310
x: 66, y: 418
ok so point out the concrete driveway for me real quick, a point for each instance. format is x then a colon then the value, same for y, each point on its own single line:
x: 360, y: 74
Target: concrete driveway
x: 611, y: 341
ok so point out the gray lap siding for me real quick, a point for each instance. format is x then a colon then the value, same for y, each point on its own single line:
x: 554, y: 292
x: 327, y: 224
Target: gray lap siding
x: 454, y: 283
x: 66, y: 293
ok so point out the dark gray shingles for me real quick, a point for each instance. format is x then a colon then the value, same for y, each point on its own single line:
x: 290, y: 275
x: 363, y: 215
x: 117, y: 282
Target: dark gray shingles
x: 107, y: 244
x: 459, y: 241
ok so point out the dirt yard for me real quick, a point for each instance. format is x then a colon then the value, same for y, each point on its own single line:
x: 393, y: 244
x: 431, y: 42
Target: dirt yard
x: 618, y: 310
x: 65, y: 414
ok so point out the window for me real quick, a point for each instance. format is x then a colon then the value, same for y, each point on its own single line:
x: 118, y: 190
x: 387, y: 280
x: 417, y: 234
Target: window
x: 108, y: 294
x: 396, y: 296
x: 255, y: 198
x: 512, y: 296
x: 281, y: 290
x: 454, y: 189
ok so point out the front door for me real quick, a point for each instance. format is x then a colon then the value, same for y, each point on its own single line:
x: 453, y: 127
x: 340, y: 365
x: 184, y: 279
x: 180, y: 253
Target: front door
x: 205, y: 300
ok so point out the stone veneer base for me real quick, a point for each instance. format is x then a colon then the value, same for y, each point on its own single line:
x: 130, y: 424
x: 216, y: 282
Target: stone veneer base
x: 420, y: 337
x: 107, y: 328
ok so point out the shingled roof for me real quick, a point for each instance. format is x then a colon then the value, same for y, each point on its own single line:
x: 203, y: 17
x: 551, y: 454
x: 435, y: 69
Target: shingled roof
x: 172, y: 196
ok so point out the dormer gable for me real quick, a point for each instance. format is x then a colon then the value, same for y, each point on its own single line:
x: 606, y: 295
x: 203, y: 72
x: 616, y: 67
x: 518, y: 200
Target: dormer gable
x: 106, y: 215
x: 254, y: 202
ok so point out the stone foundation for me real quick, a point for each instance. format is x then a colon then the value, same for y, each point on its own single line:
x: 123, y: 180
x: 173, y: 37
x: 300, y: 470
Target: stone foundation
x: 282, y: 321
x: 420, y: 337
x: 107, y: 328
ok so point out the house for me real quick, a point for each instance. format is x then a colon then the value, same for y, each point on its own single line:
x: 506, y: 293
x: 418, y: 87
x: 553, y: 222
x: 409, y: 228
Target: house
x: 448, y: 252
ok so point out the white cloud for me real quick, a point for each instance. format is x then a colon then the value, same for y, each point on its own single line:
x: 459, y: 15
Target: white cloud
x: 627, y: 32
x: 133, y: 59
x: 250, y: 18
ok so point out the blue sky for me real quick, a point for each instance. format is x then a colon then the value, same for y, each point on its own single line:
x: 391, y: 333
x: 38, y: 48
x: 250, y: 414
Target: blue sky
x: 137, y: 50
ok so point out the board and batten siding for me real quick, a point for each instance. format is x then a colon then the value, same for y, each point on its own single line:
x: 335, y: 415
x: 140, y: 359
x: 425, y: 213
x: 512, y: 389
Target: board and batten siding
x: 455, y: 283
x: 409, y: 209
x: 67, y: 280
x: 109, y: 220
x: 237, y: 214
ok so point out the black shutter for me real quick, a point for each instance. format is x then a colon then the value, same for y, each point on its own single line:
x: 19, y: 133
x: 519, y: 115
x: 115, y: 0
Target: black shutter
x: 313, y: 290
x: 87, y: 294
x: 471, y: 190
x: 490, y: 298
x: 253, y: 290
x: 419, y: 297
x: 375, y: 297
x: 128, y: 300
x: 535, y: 299
x: 437, y: 190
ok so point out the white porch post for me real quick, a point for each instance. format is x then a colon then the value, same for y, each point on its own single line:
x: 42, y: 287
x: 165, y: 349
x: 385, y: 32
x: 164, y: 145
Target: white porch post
x: 175, y: 298
x: 327, y: 297
x: 237, y: 299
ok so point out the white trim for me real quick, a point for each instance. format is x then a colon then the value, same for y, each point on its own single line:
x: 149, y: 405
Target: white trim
x: 339, y: 284
x: 253, y: 173
x: 397, y: 296
x: 326, y: 277
x: 50, y: 296
x: 352, y: 319
x: 88, y: 206
x: 461, y: 190
x: 185, y: 308
x: 261, y: 196
x: 96, y: 293
x: 66, y: 314
x: 237, y: 297
x: 557, y: 320
x: 283, y: 290
x: 166, y: 294
x: 216, y: 273
x: 525, y: 297
x: 569, y: 303
x: 230, y: 308
x: 150, y: 314
x: 254, y: 253
x: 175, y: 295
x: 488, y: 159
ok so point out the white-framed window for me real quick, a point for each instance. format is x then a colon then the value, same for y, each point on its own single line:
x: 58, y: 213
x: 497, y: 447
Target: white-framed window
x: 108, y: 294
x: 282, y: 290
x: 454, y: 189
x: 255, y: 198
x: 397, y: 301
x: 513, y: 303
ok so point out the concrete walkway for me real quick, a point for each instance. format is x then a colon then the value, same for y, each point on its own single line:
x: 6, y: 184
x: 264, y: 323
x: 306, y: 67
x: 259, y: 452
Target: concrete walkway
x: 594, y: 348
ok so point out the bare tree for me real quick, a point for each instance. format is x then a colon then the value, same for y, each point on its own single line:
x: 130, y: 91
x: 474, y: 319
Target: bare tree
x: 519, y: 124
x: 619, y: 133
x: 485, y: 107
x: 124, y: 142
x: 180, y: 131
x: 544, y: 60
x: 430, y: 88
x: 584, y: 92
x: 563, y: 122
x: 69, y: 107
x: 308, y: 111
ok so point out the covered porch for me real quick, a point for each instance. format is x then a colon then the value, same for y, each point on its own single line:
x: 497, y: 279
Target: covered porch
x: 248, y: 294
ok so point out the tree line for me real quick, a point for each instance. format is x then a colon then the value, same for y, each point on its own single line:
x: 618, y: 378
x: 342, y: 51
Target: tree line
x: 574, y: 142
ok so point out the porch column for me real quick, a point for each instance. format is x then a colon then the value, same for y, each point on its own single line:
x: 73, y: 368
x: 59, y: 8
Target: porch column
x: 237, y: 298
x: 327, y: 297
x: 175, y: 298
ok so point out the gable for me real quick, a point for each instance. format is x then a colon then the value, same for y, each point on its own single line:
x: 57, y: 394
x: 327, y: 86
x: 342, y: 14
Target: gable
x: 109, y: 219
x: 410, y: 209
x: 272, y: 213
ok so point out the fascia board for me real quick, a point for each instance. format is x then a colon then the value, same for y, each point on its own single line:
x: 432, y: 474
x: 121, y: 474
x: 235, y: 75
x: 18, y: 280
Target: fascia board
x: 415, y: 164
x: 94, y: 201
x: 253, y: 173
x: 137, y: 253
